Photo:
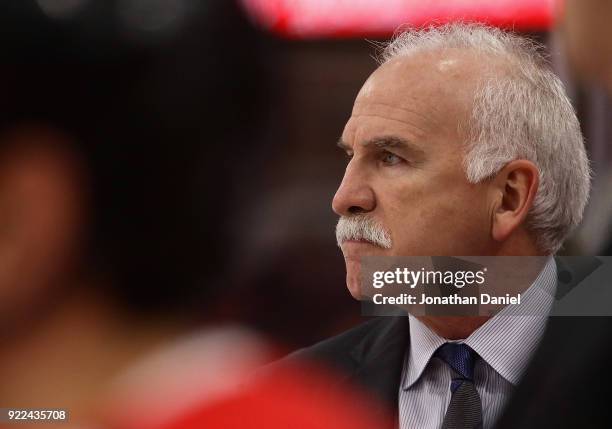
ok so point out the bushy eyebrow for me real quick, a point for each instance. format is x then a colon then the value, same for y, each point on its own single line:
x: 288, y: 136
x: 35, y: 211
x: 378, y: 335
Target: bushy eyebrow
x: 388, y: 141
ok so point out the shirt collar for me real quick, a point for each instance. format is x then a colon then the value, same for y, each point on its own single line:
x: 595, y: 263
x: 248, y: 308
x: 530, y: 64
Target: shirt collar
x: 520, y: 327
x: 423, y: 343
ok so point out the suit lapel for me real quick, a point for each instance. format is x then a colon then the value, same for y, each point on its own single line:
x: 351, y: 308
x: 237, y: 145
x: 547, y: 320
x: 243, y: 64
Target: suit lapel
x: 379, y: 359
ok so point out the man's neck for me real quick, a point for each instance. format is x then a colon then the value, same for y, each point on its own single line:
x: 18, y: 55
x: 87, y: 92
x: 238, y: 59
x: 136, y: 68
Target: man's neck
x: 453, y: 327
x: 461, y: 327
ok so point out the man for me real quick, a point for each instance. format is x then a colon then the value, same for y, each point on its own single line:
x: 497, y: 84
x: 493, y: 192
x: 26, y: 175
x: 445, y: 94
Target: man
x: 462, y: 142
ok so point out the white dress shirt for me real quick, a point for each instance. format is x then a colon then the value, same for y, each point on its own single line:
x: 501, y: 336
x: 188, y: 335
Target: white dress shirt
x: 505, y: 344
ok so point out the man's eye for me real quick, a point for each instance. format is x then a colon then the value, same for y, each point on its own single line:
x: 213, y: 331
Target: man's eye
x: 389, y: 158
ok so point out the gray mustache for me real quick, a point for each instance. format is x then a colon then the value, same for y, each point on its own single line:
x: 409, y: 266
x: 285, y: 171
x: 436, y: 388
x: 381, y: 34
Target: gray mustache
x: 362, y: 227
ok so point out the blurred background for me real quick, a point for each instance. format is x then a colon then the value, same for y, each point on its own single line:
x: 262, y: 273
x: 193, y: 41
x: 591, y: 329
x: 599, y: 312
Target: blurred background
x: 192, y: 145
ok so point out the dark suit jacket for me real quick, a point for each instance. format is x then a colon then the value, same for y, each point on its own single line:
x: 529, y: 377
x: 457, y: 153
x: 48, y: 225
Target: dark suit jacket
x: 369, y: 356
x: 567, y: 383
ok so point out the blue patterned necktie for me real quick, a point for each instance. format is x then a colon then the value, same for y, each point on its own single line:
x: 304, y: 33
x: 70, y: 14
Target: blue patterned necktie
x: 465, y: 408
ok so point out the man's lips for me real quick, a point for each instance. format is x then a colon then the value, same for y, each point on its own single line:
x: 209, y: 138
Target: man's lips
x: 349, y: 244
x: 354, y: 249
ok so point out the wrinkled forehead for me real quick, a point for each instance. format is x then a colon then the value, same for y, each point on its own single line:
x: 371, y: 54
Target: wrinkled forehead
x: 439, y: 85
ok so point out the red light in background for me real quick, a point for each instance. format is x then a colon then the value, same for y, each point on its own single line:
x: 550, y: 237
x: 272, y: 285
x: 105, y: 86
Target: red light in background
x: 307, y: 19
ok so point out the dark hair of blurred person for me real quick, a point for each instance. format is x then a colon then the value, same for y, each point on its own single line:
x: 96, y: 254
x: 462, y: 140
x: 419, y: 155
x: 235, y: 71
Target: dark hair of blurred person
x: 122, y: 125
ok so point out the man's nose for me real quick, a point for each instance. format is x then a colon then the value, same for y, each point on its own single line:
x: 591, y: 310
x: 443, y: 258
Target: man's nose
x: 354, y: 195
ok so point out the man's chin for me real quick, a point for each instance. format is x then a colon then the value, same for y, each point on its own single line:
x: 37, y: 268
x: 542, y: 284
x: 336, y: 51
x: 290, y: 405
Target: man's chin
x: 354, y: 290
x: 353, y: 279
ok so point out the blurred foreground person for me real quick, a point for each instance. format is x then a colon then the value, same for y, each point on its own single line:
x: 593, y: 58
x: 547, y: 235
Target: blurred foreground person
x: 585, y: 25
x: 114, y: 201
x: 122, y: 130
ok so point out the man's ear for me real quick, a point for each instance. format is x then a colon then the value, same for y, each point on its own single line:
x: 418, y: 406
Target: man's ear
x: 41, y: 213
x: 514, y: 190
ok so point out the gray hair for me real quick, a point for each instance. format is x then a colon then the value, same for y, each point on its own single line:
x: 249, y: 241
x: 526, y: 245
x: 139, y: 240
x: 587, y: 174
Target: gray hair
x: 523, y: 113
x: 362, y: 227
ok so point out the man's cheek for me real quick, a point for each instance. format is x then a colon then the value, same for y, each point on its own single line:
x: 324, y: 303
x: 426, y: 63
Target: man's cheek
x: 402, y: 204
